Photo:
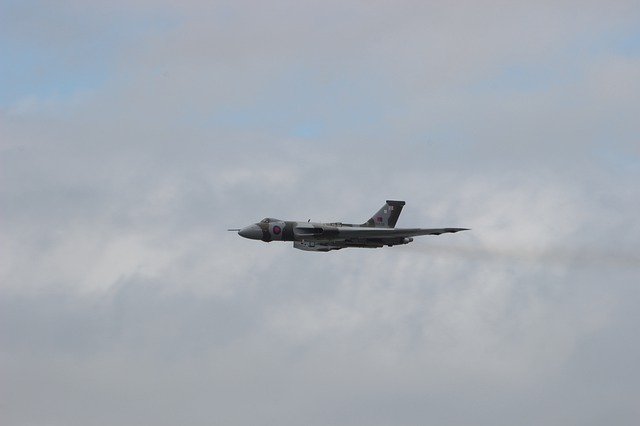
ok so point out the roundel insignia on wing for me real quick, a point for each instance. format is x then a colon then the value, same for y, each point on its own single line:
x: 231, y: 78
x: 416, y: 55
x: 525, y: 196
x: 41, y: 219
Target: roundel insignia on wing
x: 277, y: 230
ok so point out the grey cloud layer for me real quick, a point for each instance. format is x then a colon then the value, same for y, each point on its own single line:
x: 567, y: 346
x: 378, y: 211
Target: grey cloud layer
x: 124, y: 300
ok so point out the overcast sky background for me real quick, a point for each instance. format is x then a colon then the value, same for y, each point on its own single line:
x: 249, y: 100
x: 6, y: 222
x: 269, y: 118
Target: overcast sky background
x: 134, y: 133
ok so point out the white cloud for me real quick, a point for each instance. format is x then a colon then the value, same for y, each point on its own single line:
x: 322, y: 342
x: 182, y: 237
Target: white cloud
x: 125, y: 300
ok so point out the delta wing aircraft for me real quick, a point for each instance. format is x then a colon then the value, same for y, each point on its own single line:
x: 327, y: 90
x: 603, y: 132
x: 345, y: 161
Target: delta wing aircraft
x: 378, y: 231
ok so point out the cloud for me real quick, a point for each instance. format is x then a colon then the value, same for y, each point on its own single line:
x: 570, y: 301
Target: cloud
x: 125, y: 300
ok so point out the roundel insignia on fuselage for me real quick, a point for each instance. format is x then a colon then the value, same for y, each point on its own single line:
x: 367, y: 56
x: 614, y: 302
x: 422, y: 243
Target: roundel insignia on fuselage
x: 277, y: 230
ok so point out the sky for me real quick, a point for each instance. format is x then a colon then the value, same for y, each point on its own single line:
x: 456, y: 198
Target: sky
x: 133, y: 134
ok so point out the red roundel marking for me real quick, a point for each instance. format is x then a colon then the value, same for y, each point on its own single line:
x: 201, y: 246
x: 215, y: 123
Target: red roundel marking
x: 276, y: 230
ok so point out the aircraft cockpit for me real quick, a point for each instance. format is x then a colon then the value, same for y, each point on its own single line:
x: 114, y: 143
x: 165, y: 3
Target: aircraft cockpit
x: 269, y: 220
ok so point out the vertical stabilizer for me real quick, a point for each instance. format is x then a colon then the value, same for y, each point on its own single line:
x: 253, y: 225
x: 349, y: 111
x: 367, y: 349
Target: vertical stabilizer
x: 387, y: 216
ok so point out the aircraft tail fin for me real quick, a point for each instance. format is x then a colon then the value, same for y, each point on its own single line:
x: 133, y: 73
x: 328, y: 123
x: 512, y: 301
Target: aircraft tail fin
x: 387, y: 216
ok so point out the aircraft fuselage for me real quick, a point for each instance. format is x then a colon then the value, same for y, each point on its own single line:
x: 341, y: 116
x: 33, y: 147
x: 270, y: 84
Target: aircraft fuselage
x: 378, y: 231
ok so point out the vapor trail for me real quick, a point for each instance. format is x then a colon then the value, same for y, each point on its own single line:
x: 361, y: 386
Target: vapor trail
x: 552, y: 256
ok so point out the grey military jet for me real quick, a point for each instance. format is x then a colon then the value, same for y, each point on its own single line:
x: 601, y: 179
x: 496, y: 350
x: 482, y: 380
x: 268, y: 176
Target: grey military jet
x: 378, y: 231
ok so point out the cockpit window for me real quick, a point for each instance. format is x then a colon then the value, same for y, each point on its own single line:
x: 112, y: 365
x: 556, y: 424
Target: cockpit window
x: 269, y: 220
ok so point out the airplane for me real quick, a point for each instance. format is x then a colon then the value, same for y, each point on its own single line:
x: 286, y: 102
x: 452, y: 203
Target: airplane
x: 376, y: 232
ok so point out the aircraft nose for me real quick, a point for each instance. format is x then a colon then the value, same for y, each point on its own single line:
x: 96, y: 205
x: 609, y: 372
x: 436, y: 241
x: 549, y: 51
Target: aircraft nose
x: 252, y: 231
